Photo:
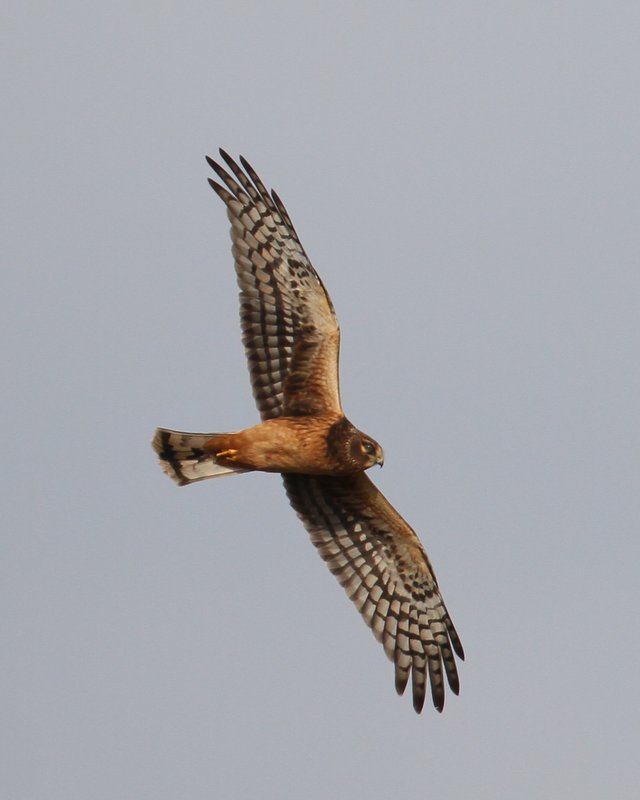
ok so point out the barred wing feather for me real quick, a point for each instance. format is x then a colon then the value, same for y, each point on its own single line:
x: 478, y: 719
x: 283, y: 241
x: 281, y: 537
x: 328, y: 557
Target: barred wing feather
x: 289, y: 328
x: 379, y: 561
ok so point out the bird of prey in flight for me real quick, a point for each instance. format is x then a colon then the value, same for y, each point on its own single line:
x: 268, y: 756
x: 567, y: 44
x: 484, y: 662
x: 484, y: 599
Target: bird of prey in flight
x: 291, y: 338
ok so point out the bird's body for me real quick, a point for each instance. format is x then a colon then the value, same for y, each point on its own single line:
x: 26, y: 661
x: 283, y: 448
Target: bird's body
x: 326, y: 444
x: 292, y: 341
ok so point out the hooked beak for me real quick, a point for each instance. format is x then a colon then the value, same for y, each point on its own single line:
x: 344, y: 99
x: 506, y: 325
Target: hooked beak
x: 380, y: 459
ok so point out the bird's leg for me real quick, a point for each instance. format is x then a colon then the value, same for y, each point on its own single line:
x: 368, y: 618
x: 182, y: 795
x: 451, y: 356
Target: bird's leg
x: 222, y: 446
x: 229, y: 455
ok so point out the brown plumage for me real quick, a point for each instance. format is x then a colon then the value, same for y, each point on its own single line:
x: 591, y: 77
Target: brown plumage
x: 292, y: 340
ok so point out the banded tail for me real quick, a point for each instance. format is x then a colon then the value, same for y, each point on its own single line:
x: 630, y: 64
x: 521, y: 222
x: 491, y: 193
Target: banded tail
x: 183, y: 459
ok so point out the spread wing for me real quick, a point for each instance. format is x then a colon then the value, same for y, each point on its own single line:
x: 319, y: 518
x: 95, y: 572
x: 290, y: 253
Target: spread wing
x: 379, y: 561
x: 289, y: 328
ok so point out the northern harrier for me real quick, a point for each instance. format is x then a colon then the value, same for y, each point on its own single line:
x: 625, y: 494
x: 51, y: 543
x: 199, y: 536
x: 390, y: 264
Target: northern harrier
x: 291, y: 337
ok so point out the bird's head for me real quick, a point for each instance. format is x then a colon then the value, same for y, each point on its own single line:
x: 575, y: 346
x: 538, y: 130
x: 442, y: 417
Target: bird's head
x: 366, y: 450
x: 351, y: 450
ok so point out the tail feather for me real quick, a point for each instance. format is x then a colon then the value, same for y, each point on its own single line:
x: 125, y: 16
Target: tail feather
x: 183, y: 459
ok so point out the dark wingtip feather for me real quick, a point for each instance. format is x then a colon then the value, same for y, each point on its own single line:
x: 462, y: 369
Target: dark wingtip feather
x: 437, y: 696
x: 452, y: 675
x: 401, y: 681
x: 219, y: 170
x: 256, y: 180
x: 454, y: 639
x: 418, y: 702
x: 228, y: 159
x: 246, y: 164
x: 222, y: 193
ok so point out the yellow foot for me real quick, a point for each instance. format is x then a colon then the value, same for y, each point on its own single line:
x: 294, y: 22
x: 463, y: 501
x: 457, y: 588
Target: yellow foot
x: 228, y: 454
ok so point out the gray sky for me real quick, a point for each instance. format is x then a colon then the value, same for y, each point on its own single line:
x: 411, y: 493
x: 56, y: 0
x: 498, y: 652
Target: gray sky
x: 465, y: 178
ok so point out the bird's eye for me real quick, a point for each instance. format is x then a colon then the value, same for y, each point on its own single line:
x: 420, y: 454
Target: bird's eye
x: 368, y: 448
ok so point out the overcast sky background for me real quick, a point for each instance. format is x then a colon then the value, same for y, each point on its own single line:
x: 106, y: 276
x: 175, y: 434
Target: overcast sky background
x: 465, y: 178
